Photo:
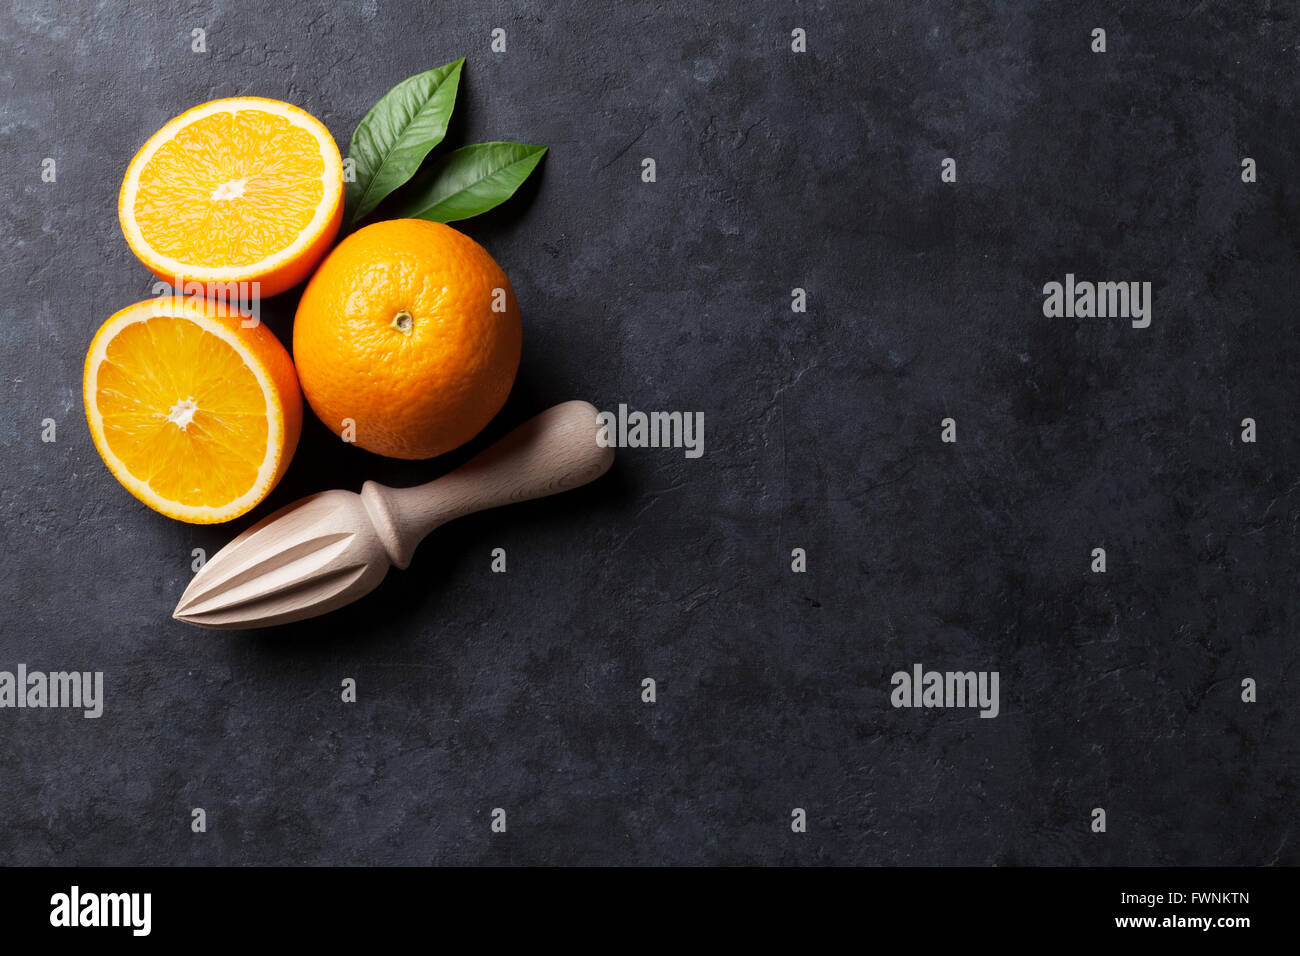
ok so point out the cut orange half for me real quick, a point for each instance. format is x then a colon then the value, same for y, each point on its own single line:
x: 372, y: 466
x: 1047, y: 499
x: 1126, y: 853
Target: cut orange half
x: 194, y: 407
x: 237, y: 190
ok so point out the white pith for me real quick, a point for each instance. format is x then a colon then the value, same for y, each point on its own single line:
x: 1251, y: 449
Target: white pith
x: 182, y: 413
x: 231, y: 190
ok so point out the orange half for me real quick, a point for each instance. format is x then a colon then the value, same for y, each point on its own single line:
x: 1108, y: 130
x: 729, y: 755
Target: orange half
x: 236, y: 190
x: 194, y: 408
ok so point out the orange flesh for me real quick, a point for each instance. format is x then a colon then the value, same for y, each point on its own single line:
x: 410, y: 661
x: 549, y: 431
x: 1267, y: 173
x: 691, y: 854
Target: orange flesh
x: 154, y: 369
x: 230, y: 189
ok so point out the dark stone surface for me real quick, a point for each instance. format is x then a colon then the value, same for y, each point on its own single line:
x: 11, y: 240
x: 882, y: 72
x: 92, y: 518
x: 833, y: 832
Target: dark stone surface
x: 775, y: 170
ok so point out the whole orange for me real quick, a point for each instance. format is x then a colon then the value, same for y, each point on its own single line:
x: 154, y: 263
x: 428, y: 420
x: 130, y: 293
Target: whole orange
x: 407, y: 339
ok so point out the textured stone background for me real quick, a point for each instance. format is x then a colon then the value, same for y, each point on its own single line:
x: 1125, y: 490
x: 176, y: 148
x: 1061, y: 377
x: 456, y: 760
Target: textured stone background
x: 776, y: 170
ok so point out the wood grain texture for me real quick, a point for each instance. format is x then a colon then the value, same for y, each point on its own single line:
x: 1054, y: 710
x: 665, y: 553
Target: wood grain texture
x: 330, y: 549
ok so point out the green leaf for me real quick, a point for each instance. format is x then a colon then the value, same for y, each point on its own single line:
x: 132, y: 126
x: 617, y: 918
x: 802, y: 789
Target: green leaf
x: 469, y: 181
x: 392, y: 140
